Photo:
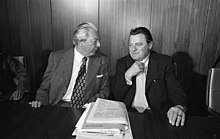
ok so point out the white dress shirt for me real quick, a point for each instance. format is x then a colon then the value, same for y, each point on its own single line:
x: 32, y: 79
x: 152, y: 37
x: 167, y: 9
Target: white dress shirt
x: 77, y: 62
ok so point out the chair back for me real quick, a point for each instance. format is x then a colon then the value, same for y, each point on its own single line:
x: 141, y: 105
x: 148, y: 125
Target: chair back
x: 213, y: 90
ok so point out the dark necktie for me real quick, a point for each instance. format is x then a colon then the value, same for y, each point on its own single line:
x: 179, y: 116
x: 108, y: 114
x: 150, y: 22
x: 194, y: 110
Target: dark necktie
x: 77, y: 98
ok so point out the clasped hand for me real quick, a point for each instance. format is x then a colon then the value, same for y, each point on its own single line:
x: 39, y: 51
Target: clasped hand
x: 136, y: 68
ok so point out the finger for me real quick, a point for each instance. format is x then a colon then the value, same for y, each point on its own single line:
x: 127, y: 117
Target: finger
x: 178, y: 120
x: 174, y: 117
x: 11, y: 97
x: 85, y: 106
x: 18, y: 95
x: 33, y: 104
x: 171, y: 117
x: 38, y: 104
x: 15, y: 96
x: 183, y: 119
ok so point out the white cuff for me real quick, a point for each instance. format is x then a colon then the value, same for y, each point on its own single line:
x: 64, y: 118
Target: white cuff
x: 128, y: 82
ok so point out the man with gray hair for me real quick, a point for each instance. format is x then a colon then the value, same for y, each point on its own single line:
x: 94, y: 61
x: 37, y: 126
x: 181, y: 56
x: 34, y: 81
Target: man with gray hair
x: 78, y: 75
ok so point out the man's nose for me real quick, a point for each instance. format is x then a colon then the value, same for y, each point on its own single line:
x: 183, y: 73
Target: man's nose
x: 98, y: 44
x: 134, y: 48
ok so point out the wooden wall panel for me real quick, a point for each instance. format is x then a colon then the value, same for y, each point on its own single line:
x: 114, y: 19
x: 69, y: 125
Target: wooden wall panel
x: 170, y: 25
x: 179, y: 26
x: 211, y: 43
x: 17, y: 16
x: 66, y: 15
x: 116, y: 19
x: 4, y: 26
x: 39, y: 13
x: 197, y: 28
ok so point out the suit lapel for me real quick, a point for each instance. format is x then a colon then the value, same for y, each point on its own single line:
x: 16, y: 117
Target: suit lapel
x: 93, y: 67
x: 67, y: 65
x: 152, y: 68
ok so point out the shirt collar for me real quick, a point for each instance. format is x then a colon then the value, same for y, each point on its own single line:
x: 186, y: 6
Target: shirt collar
x: 145, y: 60
x: 77, y: 55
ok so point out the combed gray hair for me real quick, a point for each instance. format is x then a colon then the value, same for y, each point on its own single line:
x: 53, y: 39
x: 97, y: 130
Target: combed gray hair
x: 82, y: 32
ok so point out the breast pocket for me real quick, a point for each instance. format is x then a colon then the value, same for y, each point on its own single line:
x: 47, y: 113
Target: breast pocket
x: 158, y: 87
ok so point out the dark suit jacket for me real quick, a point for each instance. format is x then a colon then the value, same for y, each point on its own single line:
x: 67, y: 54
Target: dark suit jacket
x: 11, y: 69
x: 58, y: 74
x: 162, y: 88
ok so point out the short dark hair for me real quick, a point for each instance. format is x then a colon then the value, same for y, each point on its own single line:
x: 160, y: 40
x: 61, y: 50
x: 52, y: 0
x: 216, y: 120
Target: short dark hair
x: 144, y: 31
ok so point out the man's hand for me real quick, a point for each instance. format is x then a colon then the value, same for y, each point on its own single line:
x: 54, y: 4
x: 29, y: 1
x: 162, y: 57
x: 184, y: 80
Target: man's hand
x: 85, y: 105
x: 176, y: 115
x: 35, y: 104
x: 134, y: 69
x: 16, y: 95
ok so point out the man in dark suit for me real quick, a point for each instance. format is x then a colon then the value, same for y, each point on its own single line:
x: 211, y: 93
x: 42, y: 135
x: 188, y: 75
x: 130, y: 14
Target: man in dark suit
x: 11, y: 69
x: 146, y: 80
x: 64, y: 67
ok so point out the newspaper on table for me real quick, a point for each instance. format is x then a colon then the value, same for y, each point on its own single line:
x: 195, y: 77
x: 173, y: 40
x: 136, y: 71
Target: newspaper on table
x: 104, y: 119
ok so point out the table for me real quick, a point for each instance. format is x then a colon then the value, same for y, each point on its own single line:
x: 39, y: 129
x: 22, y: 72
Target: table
x: 53, y: 122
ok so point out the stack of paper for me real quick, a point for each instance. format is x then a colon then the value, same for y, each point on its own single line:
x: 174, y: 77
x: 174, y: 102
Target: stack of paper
x: 104, y: 119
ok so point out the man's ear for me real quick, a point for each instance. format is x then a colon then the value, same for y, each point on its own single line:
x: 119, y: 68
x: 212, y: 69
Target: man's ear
x: 81, y: 43
x: 151, y: 45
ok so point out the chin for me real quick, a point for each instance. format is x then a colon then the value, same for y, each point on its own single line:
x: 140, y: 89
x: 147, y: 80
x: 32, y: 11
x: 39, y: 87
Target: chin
x: 134, y: 57
x: 91, y: 54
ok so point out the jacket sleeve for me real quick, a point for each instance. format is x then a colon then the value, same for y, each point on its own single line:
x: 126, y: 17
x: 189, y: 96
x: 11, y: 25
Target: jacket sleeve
x: 176, y: 94
x: 20, y: 73
x: 121, y: 87
x: 43, y: 91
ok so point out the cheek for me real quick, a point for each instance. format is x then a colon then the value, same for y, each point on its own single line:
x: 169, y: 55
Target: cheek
x: 145, y: 50
x: 90, y: 47
x: 141, y: 51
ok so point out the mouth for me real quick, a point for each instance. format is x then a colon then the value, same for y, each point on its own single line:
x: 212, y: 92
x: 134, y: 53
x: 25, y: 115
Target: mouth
x: 96, y: 50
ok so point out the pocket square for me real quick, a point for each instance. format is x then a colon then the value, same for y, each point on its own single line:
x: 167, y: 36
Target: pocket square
x: 98, y: 76
x: 155, y: 80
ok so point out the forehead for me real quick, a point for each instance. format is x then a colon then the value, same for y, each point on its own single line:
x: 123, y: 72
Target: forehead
x: 137, y: 38
x: 87, y: 33
x: 93, y: 34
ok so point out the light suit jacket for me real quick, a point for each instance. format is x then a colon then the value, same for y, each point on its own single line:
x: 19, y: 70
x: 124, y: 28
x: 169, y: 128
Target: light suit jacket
x: 58, y: 74
x: 162, y: 88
